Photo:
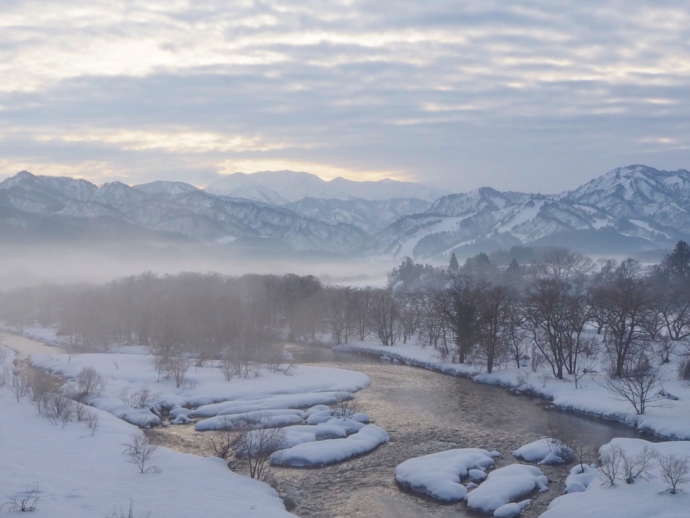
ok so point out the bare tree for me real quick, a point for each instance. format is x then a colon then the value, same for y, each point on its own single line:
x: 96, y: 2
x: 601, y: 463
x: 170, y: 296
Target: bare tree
x: 610, y: 464
x: 636, y: 466
x: 384, y: 315
x: 674, y: 470
x: 139, y: 451
x: 256, y: 446
x: 639, y: 386
x: 89, y: 383
x: 221, y: 443
x: 25, y: 501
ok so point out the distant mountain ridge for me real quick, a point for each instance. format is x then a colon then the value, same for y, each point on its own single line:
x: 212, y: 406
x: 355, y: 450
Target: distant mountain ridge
x: 281, y: 187
x: 626, y: 210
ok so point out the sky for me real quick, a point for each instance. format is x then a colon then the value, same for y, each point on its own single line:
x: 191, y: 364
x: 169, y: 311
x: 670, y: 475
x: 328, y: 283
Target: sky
x: 530, y: 95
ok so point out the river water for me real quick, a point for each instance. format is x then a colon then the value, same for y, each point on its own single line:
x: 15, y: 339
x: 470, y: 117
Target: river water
x: 424, y: 412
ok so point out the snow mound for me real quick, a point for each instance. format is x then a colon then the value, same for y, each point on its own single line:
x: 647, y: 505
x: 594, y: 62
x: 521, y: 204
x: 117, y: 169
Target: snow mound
x: 545, y: 451
x: 512, y: 510
x: 303, y: 400
x: 439, y: 475
x: 331, y: 451
x: 580, y: 477
x: 257, y: 419
x: 506, y: 485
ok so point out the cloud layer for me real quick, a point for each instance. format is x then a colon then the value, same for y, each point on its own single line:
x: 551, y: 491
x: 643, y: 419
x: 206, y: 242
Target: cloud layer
x: 524, y: 95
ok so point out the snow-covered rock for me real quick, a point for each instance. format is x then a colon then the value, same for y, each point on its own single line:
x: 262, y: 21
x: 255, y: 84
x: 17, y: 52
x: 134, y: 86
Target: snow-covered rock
x: 439, y: 475
x: 272, y: 402
x: 331, y: 451
x: 511, y: 510
x: 545, y: 451
x: 506, y: 485
x: 247, y: 420
x: 580, y: 477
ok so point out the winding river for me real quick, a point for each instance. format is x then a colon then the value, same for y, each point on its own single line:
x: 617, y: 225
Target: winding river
x: 424, y: 412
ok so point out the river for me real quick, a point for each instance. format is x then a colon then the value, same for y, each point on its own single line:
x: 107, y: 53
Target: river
x: 424, y: 412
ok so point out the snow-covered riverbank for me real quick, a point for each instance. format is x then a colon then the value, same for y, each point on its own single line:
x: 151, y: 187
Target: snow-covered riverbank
x: 669, y: 418
x: 76, y: 474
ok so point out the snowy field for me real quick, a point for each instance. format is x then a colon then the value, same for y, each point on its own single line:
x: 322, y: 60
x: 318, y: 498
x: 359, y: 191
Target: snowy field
x: 667, y: 419
x: 76, y: 474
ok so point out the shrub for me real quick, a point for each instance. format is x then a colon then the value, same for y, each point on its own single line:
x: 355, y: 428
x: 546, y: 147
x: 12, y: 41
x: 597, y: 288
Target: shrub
x: 139, y: 451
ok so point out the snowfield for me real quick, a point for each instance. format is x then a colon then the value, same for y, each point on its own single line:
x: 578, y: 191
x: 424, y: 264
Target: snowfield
x: 331, y: 451
x: 668, y: 419
x: 79, y: 475
x: 129, y: 376
x: 506, y: 485
x: 647, y: 497
x: 439, y: 475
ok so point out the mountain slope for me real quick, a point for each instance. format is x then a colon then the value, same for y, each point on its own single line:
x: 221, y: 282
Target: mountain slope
x: 40, y: 205
x: 279, y: 187
x: 627, y: 209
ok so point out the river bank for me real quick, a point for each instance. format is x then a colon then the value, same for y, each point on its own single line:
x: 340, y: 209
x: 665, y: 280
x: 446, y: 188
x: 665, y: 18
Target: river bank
x: 666, y: 419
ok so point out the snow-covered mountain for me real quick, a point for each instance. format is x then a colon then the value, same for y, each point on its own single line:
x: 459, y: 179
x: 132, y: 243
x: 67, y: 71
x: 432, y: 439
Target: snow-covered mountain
x: 627, y: 209
x: 41, y: 207
x: 280, y: 187
x: 369, y: 215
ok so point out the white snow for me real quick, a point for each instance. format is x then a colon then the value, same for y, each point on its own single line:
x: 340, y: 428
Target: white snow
x: 645, y: 498
x: 83, y: 476
x: 127, y: 375
x: 439, y: 475
x: 511, y: 510
x: 505, y: 485
x: 580, y: 477
x: 331, y: 451
x: 272, y: 402
x: 544, y: 451
x: 255, y: 419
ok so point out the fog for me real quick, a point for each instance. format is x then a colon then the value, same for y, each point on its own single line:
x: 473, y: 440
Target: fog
x: 26, y: 265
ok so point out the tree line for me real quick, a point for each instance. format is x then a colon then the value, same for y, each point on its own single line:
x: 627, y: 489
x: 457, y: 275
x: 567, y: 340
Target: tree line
x: 558, y: 310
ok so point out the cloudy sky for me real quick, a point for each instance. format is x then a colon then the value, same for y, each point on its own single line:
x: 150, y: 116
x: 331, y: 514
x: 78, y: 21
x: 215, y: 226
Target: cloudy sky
x: 533, y: 95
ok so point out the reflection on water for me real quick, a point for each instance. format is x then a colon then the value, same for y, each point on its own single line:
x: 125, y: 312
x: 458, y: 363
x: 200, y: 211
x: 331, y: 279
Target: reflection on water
x: 424, y: 412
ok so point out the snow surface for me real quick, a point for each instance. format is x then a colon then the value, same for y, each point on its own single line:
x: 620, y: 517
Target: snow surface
x: 83, y: 476
x: 331, y: 451
x: 281, y: 401
x: 506, y: 485
x: 127, y: 375
x: 511, y: 510
x: 254, y: 419
x: 439, y: 475
x: 580, y: 477
x: 544, y: 451
x: 670, y: 420
x: 645, y: 498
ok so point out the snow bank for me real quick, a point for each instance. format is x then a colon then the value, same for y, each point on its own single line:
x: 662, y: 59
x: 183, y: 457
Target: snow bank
x: 670, y: 420
x: 129, y: 375
x: 439, y: 475
x: 544, y: 451
x: 331, y: 451
x: 511, y: 510
x: 506, y: 485
x: 257, y: 419
x: 272, y: 402
x: 643, y: 499
x: 83, y: 476
x: 580, y: 477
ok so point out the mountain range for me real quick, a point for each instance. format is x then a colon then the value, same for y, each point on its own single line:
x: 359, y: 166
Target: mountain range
x: 628, y: 209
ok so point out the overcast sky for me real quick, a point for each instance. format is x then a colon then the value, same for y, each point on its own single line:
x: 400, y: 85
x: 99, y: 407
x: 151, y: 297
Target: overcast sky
x: 536, y: 95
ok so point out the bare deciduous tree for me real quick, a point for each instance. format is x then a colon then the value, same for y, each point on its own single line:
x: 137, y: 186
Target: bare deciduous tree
x: 256, y: 446
x: 639, y: 385
x: 674, y: 470
x: 139, y: 451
